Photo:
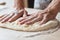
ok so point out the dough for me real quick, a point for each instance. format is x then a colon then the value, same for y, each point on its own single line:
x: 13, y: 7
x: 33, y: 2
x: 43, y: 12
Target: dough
x: 34, y: 27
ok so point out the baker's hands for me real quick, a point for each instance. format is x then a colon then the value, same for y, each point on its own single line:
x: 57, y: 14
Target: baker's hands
x: 24, y: 18
x: 12, y: 16
x: 41, y: 16
x: 31, y: 19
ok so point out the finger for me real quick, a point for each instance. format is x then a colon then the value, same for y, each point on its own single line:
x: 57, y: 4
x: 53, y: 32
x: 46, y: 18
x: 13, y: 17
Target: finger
x: 4, y: 17
x: 12, y: 18
x: 21, y: 19
x: 16, y: 16
x: 31, y: 18
x: 29, y: 14
x: 34, y: 20
x: 21, y: 12
x: 25, y: 14
x: 28, y: 19
x: 7, y: 18
x: 43, y: 21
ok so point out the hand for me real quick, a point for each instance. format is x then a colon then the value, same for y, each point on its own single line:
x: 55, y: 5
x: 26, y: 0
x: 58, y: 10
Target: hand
x: 41, y: 16
x: 12, y: 16
x: 32, y: 18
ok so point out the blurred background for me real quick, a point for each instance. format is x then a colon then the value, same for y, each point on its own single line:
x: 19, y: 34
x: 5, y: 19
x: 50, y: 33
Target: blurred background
x: 9, y: 3
x: 6, y: 2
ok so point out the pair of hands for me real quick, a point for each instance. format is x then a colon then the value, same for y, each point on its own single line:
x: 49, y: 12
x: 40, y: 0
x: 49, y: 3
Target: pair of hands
x: 24, y: 18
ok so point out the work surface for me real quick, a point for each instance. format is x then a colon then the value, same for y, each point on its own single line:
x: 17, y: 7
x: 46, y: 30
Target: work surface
x: 6, y: 34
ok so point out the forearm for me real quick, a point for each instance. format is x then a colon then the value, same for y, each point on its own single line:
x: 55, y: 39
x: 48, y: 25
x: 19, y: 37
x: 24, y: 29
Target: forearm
x: 19, y: 4
x: 54, y: 6
x: 53, y: 9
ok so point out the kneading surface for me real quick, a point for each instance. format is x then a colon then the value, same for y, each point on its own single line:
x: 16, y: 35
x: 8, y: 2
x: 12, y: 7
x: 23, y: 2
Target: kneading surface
x: 33, y: 27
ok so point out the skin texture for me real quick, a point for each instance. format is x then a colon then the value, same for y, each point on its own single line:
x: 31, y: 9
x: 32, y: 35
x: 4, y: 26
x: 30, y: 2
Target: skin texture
x: 43, y: 16
x: 19, y: 6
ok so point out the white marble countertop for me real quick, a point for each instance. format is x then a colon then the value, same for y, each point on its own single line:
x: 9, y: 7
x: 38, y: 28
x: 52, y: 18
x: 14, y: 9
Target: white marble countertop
x: 6, y: 34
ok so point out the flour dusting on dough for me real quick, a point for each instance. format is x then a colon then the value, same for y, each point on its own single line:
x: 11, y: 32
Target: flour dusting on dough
x: 33, y: 27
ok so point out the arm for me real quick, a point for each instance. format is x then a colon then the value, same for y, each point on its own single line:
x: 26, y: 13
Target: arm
x: 51, y: 11
x: 18, y: 8
x: 19, y: 4
x: 53, y: 8
x: 45, y: 15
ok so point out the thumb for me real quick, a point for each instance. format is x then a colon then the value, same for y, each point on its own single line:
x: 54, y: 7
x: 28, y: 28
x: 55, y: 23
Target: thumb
x: 44, y: 20
x: 25, y: 13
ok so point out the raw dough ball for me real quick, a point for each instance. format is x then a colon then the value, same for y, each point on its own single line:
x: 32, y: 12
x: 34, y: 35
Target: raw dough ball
x: 33, y: 27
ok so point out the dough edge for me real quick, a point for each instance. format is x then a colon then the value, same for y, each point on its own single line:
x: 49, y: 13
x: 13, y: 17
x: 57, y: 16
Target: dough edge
x: 30, y: 28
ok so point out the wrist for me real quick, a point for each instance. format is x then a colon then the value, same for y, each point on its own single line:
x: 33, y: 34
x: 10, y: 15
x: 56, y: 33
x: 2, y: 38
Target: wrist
x: 44, y: 11
x: 47, y: 10
x: 51, y: 11
x: 14, y: 10
x: 17, y: 8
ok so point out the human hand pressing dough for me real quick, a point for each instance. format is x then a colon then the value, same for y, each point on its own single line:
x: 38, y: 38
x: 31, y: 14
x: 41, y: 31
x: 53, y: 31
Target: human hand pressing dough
x: 33, y: 22
x: 12, y: 16
x: 41, y: 16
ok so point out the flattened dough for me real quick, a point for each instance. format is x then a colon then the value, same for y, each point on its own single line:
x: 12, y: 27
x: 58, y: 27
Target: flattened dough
x: 34, y: 27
